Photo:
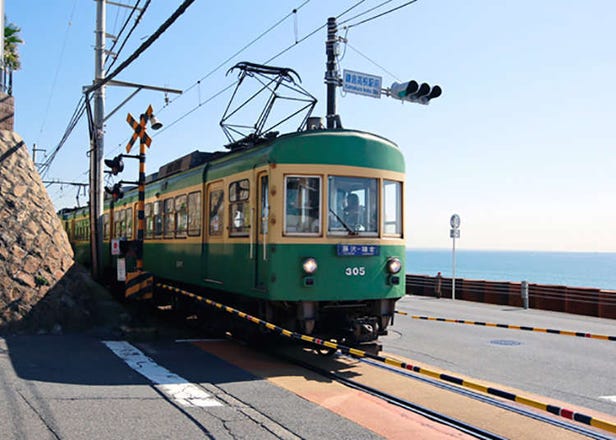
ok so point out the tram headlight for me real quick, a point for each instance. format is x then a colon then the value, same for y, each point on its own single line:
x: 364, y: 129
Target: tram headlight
x: 310, y: 266
x: 394, y: 265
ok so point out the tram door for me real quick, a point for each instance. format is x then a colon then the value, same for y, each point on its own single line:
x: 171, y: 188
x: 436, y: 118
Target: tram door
x: 262, y: 217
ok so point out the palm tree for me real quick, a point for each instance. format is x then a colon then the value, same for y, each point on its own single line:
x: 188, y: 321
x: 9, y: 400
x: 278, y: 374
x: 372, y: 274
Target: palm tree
x: 11, y: 54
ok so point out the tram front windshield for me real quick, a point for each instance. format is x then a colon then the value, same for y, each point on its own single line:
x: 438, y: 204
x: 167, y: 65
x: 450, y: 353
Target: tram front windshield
x: 353, y: 205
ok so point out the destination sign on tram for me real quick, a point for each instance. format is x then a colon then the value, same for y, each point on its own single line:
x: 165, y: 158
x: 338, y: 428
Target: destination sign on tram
x: 361, y: 83
x: 357, y: 250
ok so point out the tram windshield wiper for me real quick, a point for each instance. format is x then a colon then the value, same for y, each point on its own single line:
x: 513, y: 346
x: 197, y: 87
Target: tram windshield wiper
x: 346, y: 226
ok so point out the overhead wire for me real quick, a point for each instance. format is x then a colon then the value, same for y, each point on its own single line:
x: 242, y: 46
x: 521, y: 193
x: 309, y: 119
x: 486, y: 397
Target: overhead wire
x: 382, y: 14
x: 130, y: 32
x: 79, y: 112
x: 179, y: 12
x: 372, y: 61
x: 60, y: 63
x: 264, y: 33
x: 192, y: 110
x: 146, y: 44
x: 367, y: 11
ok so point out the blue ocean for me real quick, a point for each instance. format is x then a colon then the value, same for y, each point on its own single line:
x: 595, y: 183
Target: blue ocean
x: 574, y: 269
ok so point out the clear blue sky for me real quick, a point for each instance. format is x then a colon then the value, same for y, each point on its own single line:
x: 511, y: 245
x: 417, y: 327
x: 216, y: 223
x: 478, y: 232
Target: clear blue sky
x: 521, y: 144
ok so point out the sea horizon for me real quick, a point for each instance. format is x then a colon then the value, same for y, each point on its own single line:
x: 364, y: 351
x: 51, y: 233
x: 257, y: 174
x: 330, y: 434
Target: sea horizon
x: 592, y: 269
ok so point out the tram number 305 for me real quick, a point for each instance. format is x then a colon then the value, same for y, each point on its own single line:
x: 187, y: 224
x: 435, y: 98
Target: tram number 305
x: 355, y: 271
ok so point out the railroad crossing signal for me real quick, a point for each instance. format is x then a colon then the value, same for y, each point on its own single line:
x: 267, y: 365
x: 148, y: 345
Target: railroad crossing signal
x: 139, y: 128
x: 116, y: 164
x: 116, y: 191
x: 414, y: 92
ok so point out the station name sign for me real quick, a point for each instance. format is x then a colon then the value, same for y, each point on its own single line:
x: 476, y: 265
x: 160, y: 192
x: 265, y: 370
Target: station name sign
x: 361, y: 83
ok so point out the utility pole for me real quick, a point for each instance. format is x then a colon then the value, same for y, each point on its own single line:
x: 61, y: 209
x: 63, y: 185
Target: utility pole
x: 34, y: 150
x: 97, y: 146
x: 97, y: 138
x: 331, y: 74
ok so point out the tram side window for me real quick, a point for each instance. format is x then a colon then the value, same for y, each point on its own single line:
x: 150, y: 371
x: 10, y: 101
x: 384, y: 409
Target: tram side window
x: 353, y: 205
x: 122, y: 215
x: 181, y: 213
x: 303, y: 205
x: 194, y: 213
x: 129, y: 223
x: 148, y: 215
x: 106, y: 227
x: 169, y: 218
x: 239, y: 208
x: 158, y: 218
x: 216, y: 210
x: 392, y: 208
x: 117, y: 224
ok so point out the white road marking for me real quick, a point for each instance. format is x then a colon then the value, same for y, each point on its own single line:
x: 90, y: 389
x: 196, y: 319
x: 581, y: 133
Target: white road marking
x: 201, y: 340
x: 609, y: 398
x: 170, y: 384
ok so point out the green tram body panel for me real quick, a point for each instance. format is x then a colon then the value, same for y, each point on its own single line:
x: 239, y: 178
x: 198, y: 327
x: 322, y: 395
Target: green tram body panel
x: 229, y: 265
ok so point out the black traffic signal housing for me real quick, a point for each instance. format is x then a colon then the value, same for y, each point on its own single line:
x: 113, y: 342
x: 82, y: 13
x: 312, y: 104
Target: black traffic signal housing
x: 116, y: 164
x: 414, y: 92
x: 115, y: 191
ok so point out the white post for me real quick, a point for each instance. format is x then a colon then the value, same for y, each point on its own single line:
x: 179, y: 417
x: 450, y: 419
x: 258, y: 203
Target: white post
x: 453, y: 269
x: 454, y: 233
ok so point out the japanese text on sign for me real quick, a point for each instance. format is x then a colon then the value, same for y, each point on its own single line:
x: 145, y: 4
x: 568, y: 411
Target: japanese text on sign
x: 352, y: 250
x: 361, y: 83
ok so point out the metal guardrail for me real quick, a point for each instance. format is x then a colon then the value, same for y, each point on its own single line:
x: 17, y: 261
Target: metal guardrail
x: 577, y: 300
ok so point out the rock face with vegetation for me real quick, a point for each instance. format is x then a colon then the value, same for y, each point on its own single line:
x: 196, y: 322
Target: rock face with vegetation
x: 41, y: 288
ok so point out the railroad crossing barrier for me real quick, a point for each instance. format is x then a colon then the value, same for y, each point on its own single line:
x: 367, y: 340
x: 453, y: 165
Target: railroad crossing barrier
x: 475, y: 386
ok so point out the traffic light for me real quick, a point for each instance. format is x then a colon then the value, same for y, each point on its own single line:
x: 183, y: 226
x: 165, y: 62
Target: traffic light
x: 115, y: 191
x: 414, y: 92
x: 116, y: 164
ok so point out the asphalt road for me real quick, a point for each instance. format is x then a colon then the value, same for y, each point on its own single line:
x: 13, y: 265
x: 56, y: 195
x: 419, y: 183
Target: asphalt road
x: 577, y: 371
x: 76, y: 387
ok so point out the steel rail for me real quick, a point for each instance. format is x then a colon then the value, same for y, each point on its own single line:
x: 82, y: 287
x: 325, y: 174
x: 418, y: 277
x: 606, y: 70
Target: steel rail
x: 435, y: 416
x: 489, y: 400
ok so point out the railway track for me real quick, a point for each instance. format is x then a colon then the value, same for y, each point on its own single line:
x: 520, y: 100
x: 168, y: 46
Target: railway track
x: 495, y: 402
x: 435, y: 416
x: 446, y: 382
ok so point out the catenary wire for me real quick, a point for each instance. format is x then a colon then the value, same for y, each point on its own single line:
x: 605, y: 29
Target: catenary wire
x: 382, y: 14
x: 130, y: 32
x: 178, y: 12
x: 60, y: 63
x: 367, y: 11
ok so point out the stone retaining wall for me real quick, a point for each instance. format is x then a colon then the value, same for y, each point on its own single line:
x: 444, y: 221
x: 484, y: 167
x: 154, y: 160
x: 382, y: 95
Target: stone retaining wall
x: 38, y: 284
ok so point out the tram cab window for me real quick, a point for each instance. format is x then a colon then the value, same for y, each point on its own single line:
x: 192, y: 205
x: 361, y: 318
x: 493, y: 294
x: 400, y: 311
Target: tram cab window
x: 392, y: 208
x: 353, y: 205
x: 239, y: 208
x: 303, y: 205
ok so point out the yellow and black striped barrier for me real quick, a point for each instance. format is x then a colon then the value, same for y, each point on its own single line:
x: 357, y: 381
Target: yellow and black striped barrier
x: 513, y: 327
x: 139, y: 285
x: 553, y: 409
